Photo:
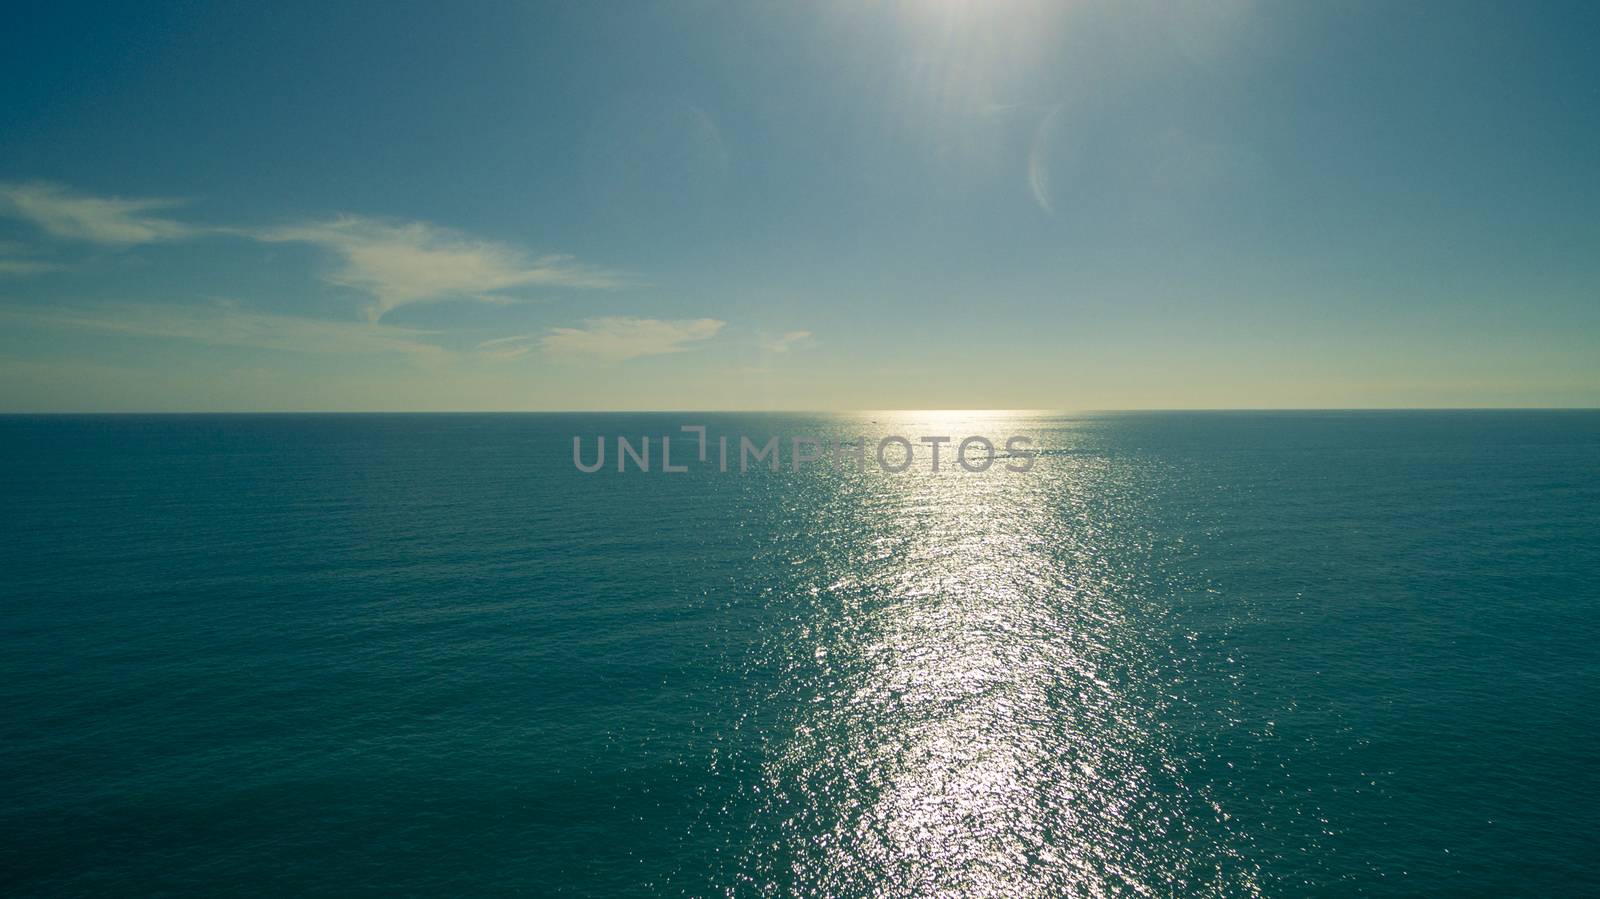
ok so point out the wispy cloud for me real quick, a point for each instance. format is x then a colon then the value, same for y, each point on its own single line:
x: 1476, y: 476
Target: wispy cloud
x: 16, y: 259
x: 26, y: 267
x: 786, y: 342
x: 508, y: 347
x: 402, y: 264
x: 66, y: 214
x: 224, y: 324
x: 395, y: 263
x: 611, y: 338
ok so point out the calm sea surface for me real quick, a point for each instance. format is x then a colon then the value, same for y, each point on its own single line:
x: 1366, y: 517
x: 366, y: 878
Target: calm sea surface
x: 1214, y: 653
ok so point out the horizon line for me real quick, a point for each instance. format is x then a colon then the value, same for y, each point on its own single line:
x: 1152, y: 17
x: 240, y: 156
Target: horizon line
x: 1105, y: 411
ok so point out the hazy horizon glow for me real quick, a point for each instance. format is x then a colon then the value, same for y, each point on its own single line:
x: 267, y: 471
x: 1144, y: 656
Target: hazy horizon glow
x: 692, y: 205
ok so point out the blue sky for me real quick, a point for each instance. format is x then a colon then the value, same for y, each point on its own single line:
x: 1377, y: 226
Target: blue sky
x: 937, y: 204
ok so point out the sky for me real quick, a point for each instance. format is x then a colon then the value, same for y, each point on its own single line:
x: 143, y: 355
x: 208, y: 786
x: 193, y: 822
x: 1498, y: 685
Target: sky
x: 926, y: 204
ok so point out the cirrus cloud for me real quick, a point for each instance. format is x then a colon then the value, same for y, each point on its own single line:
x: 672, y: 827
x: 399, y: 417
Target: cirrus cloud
x: 394, y: 263
x: 613, y: 338
x: 786, y: 342
x: 223, y: 323
x: 26, y: 267
x: 403, y: 264
x: 69, y: 215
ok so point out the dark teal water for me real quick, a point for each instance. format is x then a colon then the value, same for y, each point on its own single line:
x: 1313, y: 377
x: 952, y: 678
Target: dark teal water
x: 1225, y: 653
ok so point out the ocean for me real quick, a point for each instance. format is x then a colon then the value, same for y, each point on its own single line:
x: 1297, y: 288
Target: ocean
x: 1230, y: 653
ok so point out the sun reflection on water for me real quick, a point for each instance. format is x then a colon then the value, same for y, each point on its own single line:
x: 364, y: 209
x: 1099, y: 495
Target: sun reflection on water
x: 977, y: 709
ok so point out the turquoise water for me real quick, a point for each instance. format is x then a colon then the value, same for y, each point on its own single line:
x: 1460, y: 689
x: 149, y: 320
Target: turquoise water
x: 1217, y: 653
